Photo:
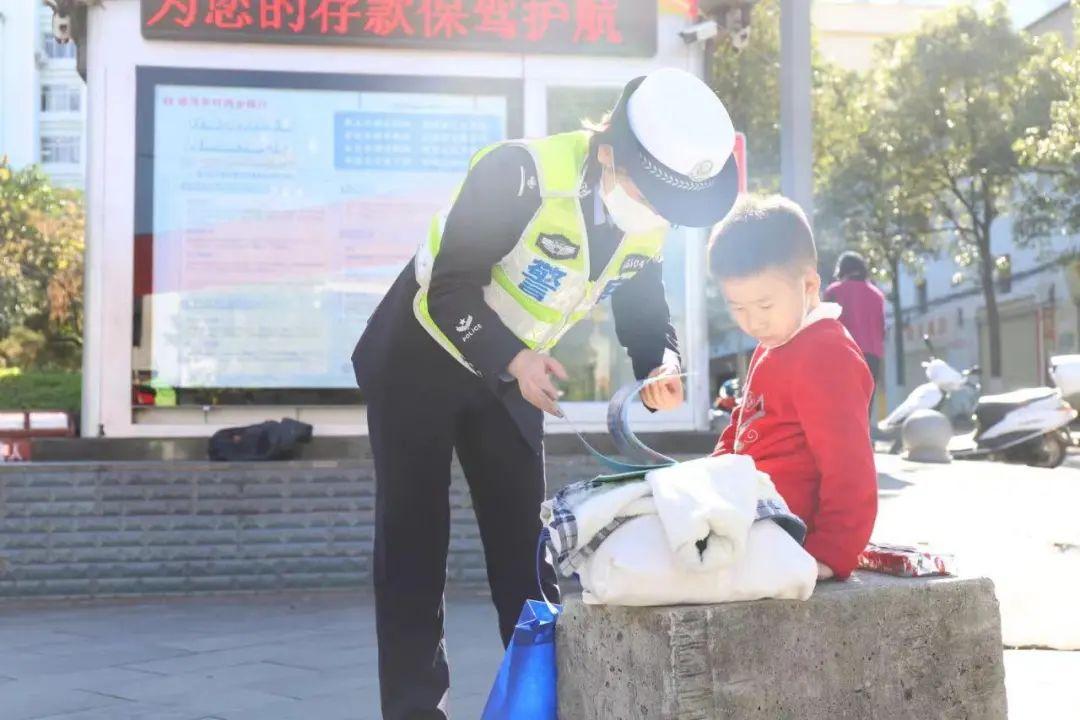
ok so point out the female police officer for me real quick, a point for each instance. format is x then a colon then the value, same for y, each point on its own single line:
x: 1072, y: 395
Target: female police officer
x: 455, y: 357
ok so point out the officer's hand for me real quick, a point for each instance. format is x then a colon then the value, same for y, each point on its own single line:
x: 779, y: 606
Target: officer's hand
x: 532, y: 371
x: 664, y: 394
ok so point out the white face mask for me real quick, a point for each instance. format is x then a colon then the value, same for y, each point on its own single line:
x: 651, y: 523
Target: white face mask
x: 630, y: 215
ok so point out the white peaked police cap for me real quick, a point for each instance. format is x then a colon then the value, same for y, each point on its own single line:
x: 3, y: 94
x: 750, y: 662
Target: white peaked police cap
x: 674, y: 137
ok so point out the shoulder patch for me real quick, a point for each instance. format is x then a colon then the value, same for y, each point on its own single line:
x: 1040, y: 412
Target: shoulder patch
x: 558, y: 247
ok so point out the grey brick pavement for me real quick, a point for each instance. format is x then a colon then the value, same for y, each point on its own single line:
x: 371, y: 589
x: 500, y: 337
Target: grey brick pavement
x: 308, y: 656
x: 290, y: 656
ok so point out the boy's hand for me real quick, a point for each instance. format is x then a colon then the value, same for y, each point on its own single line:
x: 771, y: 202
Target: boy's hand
x: 666, y: 394
x: 824, y: 572
x: 532, y: 370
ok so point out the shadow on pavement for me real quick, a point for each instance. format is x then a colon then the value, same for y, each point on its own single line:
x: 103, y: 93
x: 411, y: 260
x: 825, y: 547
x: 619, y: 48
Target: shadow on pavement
x: 891, y: 483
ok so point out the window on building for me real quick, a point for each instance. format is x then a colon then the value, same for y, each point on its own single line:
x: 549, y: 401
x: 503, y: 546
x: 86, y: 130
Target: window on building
x: 60, y: 149
x: 922, y: 295
x: 60, y: 98
x: 56, y: 50
x: 1003, y: 273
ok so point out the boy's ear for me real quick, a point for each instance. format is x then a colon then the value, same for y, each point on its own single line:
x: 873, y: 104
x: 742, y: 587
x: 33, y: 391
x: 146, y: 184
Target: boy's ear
x: 813, y: 282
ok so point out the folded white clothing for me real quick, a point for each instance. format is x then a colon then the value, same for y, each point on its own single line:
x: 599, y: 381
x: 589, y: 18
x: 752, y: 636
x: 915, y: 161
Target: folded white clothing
x: 641, y: 506
x: 706, y: 507
x: 636, y: 566
x: 595, y: 510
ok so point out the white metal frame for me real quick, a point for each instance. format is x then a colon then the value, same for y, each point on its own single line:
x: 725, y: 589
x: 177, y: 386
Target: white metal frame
x: 116, y: 48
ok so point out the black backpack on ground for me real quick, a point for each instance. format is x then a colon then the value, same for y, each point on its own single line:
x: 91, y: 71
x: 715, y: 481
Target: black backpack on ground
x: 270, y: 440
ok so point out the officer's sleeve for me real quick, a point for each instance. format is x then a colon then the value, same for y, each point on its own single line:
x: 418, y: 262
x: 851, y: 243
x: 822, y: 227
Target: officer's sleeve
x: 643, y: 321
x: 496, y: 202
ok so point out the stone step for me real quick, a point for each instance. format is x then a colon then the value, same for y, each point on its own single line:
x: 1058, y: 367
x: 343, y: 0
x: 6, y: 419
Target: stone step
x: 119, y: 586
x: 345, y: 562
x: 129, y: 545
x: 144, y: 527
x: 192, y: 450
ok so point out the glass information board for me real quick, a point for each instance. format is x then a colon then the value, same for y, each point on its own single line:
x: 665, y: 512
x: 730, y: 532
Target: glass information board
x: 271, y: 220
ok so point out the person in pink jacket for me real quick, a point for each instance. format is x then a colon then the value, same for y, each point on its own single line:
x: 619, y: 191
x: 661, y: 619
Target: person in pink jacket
x: 863, y: 310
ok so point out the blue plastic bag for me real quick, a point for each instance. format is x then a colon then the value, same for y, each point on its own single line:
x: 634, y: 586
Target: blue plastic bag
x: 525, y: 688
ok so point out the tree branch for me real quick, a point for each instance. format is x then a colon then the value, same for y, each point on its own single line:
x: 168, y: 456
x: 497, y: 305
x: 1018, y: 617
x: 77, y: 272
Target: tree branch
x: 957, y: 226
x: 953, y: 186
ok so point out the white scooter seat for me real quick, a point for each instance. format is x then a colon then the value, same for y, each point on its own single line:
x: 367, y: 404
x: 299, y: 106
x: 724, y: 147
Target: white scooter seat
x: 992, y: 408
x: 1018, y: 397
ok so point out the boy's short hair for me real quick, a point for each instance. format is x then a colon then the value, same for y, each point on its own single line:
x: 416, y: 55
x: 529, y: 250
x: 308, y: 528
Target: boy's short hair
x: 760, y: 233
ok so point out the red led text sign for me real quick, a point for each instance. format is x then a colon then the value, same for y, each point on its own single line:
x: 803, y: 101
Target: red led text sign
x: 578, y: 27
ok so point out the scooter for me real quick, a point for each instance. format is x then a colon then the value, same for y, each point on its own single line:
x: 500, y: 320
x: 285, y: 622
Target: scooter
x: 1026, y: 426
x: 1065, y: 372
x: 954, y: 394
x: 726, y: 401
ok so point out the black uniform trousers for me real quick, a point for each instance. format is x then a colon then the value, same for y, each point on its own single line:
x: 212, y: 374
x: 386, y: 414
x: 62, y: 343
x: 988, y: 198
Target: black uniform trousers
x: 423, y: 411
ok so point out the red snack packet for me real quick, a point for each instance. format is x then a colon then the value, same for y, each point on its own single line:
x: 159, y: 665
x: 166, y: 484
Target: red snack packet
x: 905, y: 561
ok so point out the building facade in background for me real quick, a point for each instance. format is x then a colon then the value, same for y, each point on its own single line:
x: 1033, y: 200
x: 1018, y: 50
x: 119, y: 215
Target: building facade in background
x: 1059, y: 20
x: 18, y: 81
x: 42, y: 97
x: 848, y: 32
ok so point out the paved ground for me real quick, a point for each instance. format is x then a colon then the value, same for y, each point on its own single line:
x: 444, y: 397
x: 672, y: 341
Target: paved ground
x: 1014, y: 524
x: 1073, y: 458
x: 290, y: 657
x: 268, y: 657
x: 312, y: 656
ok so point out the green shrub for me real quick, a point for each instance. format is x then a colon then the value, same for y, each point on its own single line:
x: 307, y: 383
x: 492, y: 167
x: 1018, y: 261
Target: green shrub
x: 35, y: 390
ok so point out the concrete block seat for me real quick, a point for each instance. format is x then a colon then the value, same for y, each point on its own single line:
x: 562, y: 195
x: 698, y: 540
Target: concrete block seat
x: 874, y: 647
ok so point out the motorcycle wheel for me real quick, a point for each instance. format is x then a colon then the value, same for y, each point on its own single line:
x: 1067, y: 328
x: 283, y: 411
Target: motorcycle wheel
x: 1048, y: 451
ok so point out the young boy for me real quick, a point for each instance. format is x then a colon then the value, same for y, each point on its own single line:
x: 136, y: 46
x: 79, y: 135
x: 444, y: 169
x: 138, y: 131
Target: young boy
x: 803, y: 416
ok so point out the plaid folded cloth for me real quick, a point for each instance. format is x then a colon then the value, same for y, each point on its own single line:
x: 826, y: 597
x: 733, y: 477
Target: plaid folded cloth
x: 584, y: 514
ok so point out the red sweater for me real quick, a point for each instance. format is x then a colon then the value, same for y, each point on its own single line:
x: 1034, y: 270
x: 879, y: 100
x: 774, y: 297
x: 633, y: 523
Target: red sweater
x: 803, y: 419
